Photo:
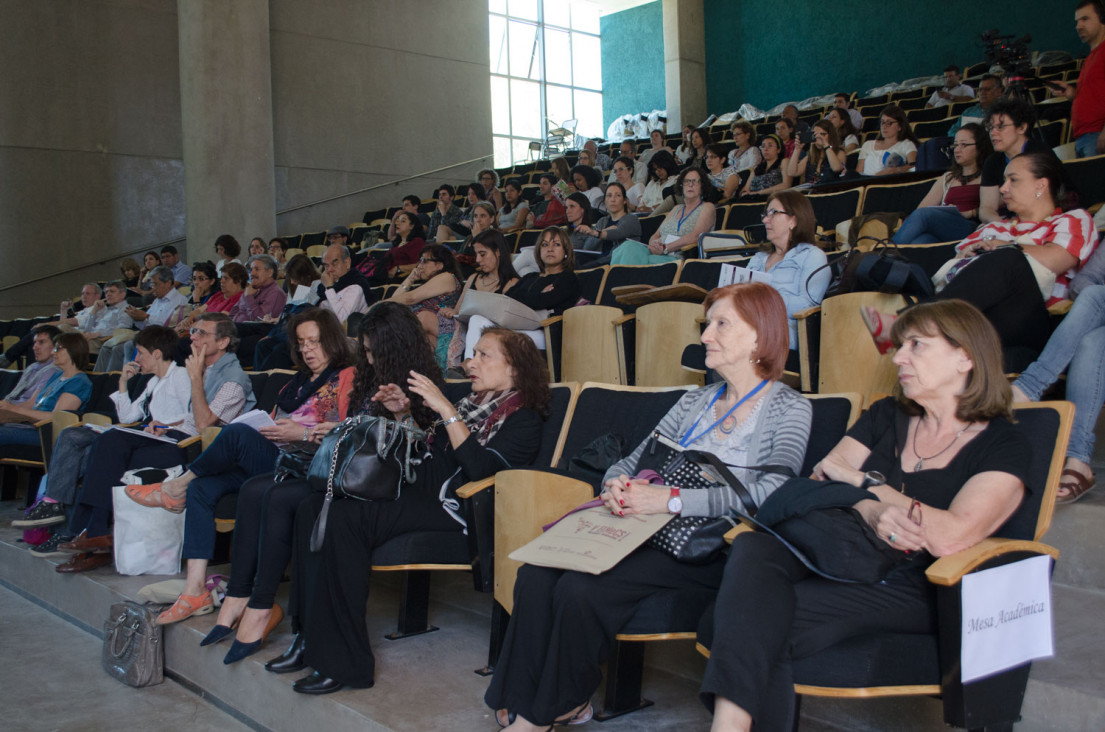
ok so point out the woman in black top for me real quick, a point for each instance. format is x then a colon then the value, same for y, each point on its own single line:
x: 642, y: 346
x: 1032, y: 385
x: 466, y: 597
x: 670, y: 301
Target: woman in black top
x: 498, y: 426
x: 555, y: 288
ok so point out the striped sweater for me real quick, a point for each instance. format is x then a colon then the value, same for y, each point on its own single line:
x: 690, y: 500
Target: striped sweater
x: 779, y: 438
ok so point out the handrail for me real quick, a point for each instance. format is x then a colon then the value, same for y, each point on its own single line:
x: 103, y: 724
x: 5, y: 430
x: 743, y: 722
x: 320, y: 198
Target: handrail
x: 158, y: 245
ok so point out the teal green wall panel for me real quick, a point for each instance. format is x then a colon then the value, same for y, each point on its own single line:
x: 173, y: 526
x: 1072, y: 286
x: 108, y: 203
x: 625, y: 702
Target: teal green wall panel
x: 632, y: 61
x: 766, y: 53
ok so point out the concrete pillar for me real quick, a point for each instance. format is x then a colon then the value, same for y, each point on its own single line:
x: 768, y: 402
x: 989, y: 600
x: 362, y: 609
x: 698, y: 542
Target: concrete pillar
x: 684, y: 62
x: 226, y: 116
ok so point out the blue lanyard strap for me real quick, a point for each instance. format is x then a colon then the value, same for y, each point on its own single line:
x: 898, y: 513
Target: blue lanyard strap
x: 683, y: 218
x: 689, y: 440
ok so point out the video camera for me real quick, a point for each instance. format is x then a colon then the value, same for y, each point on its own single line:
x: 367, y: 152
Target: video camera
x: 1010, y: 53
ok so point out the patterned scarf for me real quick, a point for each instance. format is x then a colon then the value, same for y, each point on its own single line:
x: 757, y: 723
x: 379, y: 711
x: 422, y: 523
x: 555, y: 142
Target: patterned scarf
x: 485, y: 413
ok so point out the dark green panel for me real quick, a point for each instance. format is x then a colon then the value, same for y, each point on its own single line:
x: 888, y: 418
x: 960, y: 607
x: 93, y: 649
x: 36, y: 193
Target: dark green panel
x: 632, y: 61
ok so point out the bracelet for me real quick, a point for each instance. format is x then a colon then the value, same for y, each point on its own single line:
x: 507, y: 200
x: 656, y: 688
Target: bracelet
x: 454, y: 418
x: 306, y: 434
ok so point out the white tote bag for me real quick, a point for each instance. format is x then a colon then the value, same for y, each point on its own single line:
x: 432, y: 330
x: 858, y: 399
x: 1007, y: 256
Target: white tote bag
x: 147, y: 540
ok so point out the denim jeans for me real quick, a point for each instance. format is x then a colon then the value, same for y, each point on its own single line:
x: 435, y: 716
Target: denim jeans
x: 1085, y: 146
x: 68, y: 463
x: 18, y: 434
x: 1080, y: 342
x: 930, y: 225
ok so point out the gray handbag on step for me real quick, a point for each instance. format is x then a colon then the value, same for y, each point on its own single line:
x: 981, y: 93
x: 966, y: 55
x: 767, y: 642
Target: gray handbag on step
x: 133, y: 651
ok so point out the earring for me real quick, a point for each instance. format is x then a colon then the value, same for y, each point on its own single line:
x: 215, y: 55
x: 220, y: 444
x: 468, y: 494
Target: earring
x: 1039, y: 193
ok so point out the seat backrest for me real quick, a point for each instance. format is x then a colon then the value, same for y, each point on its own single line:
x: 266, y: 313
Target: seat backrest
x: 833, y: 414
x: 629, y: 411
x: 663, y: 329
x: 8, y: 379
x: 712, y: 243
x: 848, y: 359
x: 1046, y: 425
x: 700, y: 272
x: 900, y: 197
x: 1087, y: 175
x: 832, y: 208
x: 276, y: 380
x: 589, y: 345
x: 743, y: 215
x: 590, y: 282
x: 634, y: 274
x: 930, y: 256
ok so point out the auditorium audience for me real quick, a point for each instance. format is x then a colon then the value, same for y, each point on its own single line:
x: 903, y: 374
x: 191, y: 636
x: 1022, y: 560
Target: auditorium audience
x: 67, y: 388
x: 662, y: 169
x: 262, y: 297
x: 489, y: 182
x: 823, y: 162
x: 784, y: 130
x: 342, y: 289
x: 845, y: 130
x: 588, y: 182
x: 256, y: 246
x: 656, y: 139
x: 685, y: 151
x: 746, y: 155
x: 623, y: 176
x: 549, y: 210
x: 445, y: 214
x: 725, y: 180
x: 435, y: 283
x: 515, y: 208
x: 227, y: 249
x: 954, y: 90
x: 1009, y: 123
x: 613, y: 228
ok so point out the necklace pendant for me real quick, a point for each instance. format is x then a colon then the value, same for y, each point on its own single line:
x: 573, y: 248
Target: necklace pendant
x: 918, y: 465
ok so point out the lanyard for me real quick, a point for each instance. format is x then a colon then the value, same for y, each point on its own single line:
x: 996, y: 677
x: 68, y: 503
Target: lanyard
x: 683, y: 218
x: 689, y: 440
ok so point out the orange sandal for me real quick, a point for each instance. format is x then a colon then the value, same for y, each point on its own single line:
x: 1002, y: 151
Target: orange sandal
x: 185, y: 607
x: 151, y: 495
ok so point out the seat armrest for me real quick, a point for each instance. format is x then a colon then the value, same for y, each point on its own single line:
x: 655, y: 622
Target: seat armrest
x: 473, y: 487
x: 1060, y: 308
x: 549, y: 321
x: 948, y: 571
x: 624, y: 319
x: 806, y: 312
x: 736, y: 531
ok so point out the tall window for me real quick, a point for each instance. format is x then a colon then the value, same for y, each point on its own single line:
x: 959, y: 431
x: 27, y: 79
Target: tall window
x: 546, y: 69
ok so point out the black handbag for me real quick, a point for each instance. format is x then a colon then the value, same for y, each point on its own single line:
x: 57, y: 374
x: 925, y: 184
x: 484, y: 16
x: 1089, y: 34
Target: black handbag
x: 133, y: 652
x: 695, y: 539
x: 818, y: 524
x: 883, y: 269
x: 293, y: 461
x: 365, y: 457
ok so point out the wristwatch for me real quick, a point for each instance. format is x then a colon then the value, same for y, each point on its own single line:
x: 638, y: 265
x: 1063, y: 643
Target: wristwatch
x: 872, y: 478
x: 675, y: 503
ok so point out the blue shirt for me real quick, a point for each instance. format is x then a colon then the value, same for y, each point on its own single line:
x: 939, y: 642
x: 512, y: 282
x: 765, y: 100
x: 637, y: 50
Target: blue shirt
x: 794, y: 278
x: 79, y: 385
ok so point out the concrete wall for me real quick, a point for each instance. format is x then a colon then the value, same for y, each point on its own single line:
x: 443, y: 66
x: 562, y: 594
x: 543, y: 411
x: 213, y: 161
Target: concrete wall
x: 90, y: 124
x: 90, y: 140
x: 632, y: 61
x: 364, y: 93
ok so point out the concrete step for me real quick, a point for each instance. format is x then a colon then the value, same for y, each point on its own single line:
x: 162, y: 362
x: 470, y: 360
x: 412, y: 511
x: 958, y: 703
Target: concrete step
x: 1076, y: 531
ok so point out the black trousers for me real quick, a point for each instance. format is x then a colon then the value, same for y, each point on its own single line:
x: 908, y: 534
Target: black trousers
x: 771, y: 609
x: 1001, y: 284
x: 563, y: 627
x: 263, y: 537
x: 334, y: 626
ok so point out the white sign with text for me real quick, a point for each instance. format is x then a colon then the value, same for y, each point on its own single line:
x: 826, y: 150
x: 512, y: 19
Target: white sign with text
x: 1006, y: 617
x: 732, y: 275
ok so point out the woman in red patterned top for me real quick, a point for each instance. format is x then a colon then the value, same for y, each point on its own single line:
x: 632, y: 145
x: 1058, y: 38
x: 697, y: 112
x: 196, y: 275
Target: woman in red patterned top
x: 1013, y: 269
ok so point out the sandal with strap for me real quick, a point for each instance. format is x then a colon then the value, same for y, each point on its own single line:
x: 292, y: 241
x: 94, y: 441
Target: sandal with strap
x: 152, y: 496
x: 581, y: 716
x: 185, y: 607
x: 1075, y: 484
x: 874, y: 321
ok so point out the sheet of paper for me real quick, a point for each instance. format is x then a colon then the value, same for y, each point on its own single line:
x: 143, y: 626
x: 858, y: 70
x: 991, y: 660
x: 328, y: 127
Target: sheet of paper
x: 671, y: 238
x: 590, y: 541
x: 1006, y: 617
x: 733, y: 275
x: 255, y: 418
x: 301, y: 294
x: 159, y: 438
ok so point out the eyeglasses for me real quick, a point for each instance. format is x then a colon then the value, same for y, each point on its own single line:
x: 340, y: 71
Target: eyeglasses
x: 308, y: 345
x: 999, y: 127
x: 692, y: 182
x: 196, y: 330
x: 427, y: 261
x: 771, y: 213
x: 888, y: 122
x: 961, y: 145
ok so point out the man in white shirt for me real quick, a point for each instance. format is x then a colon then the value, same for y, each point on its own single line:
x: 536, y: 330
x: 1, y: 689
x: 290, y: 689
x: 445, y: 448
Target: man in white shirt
x: 954, y: 90
x: 99, y: 322
x: 840, y: 101
x: 344, y: 290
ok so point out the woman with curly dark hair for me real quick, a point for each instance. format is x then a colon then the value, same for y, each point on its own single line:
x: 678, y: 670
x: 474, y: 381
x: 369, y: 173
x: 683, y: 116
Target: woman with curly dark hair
x: 588, y: 181
x: 497, y: 426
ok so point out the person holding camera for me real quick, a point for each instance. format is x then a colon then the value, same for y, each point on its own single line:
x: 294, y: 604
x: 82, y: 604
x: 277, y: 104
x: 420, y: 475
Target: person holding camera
x: 825, y: 159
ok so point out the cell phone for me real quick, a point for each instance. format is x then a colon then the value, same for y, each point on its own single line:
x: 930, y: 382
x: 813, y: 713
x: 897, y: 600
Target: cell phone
x: 1054, y: 85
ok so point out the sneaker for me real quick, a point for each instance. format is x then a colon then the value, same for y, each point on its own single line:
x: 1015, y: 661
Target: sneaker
x: 49, y: 548
x: 42, y: 513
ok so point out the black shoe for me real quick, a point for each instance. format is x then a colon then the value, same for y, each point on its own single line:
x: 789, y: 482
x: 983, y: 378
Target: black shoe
x: 316, y: 683
x: 42, y: 513
x: 291, y: 659
x: 49, y: 548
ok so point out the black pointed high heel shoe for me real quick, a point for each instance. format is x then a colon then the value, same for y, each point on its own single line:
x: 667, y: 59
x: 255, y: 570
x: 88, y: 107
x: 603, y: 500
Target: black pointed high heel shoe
x: 291, y: 659
x: 239, y: 650
x: 218, y: 633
